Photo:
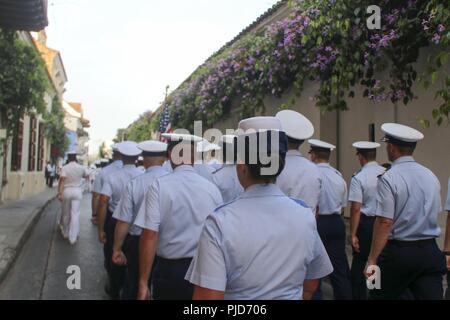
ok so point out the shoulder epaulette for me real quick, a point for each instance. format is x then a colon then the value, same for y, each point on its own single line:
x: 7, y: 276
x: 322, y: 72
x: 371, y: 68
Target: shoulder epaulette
x: 225, y: 204
x: 218, y: 170
x: 301, y: 203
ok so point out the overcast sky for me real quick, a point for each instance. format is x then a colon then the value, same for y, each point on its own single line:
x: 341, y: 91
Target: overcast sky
x: 120, y: 55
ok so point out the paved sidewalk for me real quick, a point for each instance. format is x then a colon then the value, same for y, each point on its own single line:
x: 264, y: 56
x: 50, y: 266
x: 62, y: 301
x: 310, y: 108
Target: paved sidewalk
x: 17, y: 219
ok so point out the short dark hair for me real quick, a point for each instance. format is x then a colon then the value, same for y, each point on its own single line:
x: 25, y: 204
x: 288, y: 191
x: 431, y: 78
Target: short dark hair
x: 321, y: 153
x: 256, y: 169
x: 294, y: 143
x: 407, y: 149
x: 368, y: 154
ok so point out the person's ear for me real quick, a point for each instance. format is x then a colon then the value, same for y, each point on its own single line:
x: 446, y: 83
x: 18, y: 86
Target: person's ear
x: 241, y: 169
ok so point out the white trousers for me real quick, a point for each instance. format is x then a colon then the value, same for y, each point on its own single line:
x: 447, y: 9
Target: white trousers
x: 70, y: 213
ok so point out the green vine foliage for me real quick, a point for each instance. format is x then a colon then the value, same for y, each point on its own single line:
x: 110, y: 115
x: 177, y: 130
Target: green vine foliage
x: 23, y: 80
x: 142, y: 129
x: 55, y: 129
x: 328, y: 42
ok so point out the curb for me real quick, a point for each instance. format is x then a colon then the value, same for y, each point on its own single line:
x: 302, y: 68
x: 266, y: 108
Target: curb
x: 7, y: 260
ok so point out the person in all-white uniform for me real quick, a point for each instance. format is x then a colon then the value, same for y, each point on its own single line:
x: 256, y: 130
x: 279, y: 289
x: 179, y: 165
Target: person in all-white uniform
x: 70, y: 193
x: 363, y: 200
x: 404, y: 244
x: 263, y: 245
x: 300, y: 178
x: 126, y: 237
x: 331, y: 226
x: 201, y: 166
x: 225, y: 178
x: 172, y: 217
x: 113, y: 188
x: 212, y: 159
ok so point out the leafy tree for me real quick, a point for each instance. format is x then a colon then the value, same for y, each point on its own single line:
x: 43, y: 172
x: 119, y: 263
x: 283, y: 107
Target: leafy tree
x: 101, y: 151
x: 23, y: 80
x: 55, y: 129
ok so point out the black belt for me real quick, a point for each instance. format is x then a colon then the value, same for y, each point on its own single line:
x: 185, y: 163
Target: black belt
x: 364, y: 217
x: 333, y: 215
x: 173, y: 261
x: 412, y: 243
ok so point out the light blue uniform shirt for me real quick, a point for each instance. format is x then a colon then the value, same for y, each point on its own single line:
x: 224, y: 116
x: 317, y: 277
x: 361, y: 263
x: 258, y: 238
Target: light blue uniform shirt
x: 300, y: 179
x: 363, y: 187
x: 333, y: 194
x: 205, y: 170
x: 262, y: 246
x: 176, y: 206
x: 227, y: 181
x: 116, y: 182
x: 99, y: 179
x: 447, y: 205
x: 133, y: 197
x: 410, y: 194
x: 167, y: 165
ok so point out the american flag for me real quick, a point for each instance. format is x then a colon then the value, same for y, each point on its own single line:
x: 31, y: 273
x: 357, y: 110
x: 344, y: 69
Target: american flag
x: 164, y: 123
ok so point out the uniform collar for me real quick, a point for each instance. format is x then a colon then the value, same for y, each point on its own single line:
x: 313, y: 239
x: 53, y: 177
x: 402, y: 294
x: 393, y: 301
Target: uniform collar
x: 403, y: 160
x: 184, y: 167
x: 129, y: 166
x: 118, y: 163
x: 294, y: 153
x: 325, y: 165
x: 370, y: 164
x: 262, y: 190
x: 152, y: 168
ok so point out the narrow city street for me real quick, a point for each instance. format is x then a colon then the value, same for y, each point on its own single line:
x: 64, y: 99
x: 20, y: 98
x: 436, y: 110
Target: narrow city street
x: 40, y: 270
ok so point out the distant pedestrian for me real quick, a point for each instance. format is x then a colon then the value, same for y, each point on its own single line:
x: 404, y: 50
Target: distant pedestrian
x: 70, y: 194
x: 50, y: 174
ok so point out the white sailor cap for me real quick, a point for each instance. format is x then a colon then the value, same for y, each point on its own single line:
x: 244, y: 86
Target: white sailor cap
x: 175, y: 137
x: 206, y: 146
x: 399, y: 133
x: 296, y: 125
x: 72, y: 153
x: 114, y: 147
x: 319, y: 144
x: 129, y: 149
x: 153, y: 147
x: 104, y: 161
x: 259, y: 124
x: 366, y: 145
x: 98, y: 162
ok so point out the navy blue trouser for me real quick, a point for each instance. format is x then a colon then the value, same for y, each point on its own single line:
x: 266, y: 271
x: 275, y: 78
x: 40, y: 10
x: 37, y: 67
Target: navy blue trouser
x: 364, y: 234
x: 116, y: 274
x: 447, y: 293
x: 168, y: 280
x: 331, y: 229
x: 411, y: 270
x: 131, y: 283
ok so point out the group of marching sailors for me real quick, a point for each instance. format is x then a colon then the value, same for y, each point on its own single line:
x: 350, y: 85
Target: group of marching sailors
x: 260, y: 220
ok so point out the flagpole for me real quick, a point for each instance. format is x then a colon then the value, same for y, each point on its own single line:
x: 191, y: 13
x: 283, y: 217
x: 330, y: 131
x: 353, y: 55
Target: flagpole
x: 163, y: 110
